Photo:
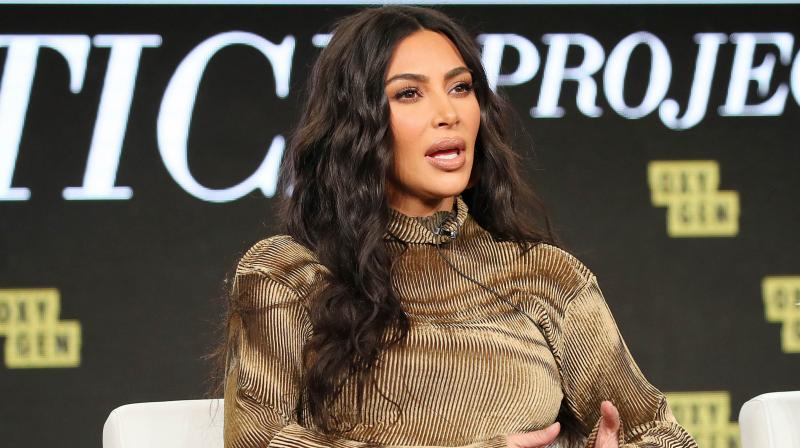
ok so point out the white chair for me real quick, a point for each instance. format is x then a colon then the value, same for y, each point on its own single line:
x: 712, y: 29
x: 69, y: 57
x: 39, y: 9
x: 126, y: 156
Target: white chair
x: 166, y: 424
x: 771, y: 421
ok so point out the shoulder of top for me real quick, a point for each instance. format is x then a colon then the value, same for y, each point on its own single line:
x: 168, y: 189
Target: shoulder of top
x: 282, y: 259
x: 566, y: 268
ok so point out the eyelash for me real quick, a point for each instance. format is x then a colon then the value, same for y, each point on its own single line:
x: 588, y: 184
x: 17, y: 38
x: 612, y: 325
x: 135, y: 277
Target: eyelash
x: 467, y: 86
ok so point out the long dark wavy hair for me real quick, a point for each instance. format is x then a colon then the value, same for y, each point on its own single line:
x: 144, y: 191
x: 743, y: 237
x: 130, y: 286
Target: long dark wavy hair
x: 332, y: 197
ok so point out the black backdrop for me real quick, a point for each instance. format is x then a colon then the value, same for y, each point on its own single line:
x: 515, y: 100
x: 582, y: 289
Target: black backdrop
x: 140, y: 278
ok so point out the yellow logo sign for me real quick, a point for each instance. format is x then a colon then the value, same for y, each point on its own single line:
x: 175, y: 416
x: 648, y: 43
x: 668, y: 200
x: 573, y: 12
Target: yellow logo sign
x: 34, y: 335
x: 706, y: 415
x: 781, y: 296
x: 689, y: 190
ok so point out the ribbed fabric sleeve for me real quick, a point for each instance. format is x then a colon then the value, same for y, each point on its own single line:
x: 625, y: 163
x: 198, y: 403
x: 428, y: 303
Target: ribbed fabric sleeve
x: 597, y: 365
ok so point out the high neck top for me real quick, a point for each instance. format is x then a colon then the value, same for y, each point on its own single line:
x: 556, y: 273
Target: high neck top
x: 498, y: 340
x: 420, y: 229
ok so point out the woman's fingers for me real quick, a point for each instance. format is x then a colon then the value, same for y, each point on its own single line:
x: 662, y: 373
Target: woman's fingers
x: 535, y: 439
x: 608, y: 433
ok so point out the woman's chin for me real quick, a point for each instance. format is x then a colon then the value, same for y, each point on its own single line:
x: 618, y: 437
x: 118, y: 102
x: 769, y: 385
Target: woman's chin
x: 430, y: 187
x: 446, y: 188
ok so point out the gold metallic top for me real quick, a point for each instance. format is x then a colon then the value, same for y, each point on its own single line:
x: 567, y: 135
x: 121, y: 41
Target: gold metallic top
x: 474, y: 367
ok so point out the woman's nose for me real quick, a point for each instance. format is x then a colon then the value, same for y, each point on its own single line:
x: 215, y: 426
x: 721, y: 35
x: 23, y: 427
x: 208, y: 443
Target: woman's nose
x: 445, y: 112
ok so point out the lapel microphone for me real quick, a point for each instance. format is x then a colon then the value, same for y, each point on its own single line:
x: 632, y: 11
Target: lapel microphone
x: 439, y: 230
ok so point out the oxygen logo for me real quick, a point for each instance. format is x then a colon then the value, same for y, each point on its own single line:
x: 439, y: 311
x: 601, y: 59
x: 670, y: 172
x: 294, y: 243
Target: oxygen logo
x: 35, y: 338
x: 705, y: 415
x: 781, y: 295
x: 689, y: 190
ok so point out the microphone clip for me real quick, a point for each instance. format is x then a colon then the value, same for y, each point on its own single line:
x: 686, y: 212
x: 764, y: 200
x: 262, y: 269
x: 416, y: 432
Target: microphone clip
x: 449, y: 233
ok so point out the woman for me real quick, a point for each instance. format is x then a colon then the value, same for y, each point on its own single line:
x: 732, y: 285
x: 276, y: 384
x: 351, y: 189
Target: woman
x: 411, y: 300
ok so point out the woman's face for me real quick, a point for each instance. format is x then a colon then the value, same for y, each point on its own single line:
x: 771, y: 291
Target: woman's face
x: 435, y: 118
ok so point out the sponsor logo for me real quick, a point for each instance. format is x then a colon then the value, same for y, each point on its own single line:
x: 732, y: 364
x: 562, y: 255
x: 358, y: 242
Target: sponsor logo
x: 695, y: 206
x: 706, y: 415
x: 35, y: 337
x: 781, y: 296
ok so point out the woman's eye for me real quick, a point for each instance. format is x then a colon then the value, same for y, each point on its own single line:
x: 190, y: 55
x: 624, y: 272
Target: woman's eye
x: 463, y: 87
x: 406, y: 94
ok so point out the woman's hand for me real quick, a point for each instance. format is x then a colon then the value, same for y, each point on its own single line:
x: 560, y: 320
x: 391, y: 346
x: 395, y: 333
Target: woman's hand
x: 607, y: 433
x: 534, y: 439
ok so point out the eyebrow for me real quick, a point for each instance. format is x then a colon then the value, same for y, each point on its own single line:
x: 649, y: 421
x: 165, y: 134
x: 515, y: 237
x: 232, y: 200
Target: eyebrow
x: 422, y: 78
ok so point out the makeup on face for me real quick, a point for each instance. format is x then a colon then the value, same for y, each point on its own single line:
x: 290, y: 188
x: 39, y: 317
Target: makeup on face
x: 434, y: 118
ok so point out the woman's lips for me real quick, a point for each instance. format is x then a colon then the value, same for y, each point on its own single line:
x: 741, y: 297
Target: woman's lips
x: 447, y: 153
x: 448, y: 160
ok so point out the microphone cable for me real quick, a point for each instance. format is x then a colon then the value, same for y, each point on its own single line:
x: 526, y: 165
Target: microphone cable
x: 452, y: 234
